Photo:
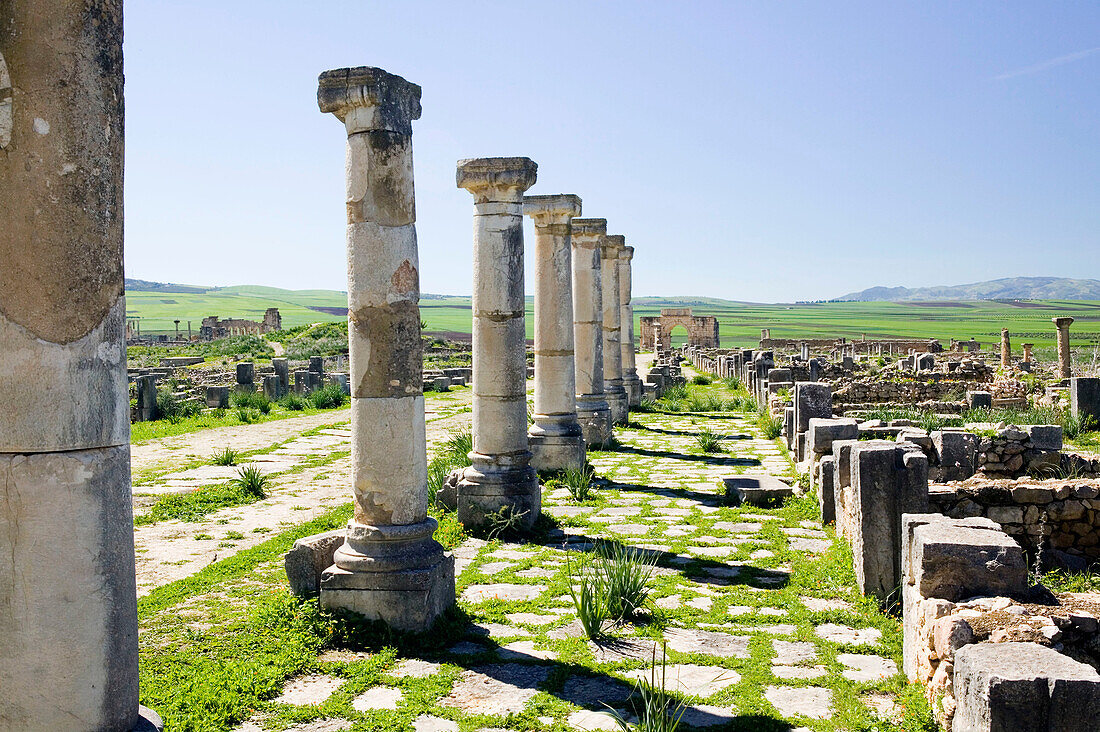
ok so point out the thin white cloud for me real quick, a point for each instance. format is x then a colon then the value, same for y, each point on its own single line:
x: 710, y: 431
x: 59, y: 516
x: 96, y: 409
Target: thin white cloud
x: 1048, y: 64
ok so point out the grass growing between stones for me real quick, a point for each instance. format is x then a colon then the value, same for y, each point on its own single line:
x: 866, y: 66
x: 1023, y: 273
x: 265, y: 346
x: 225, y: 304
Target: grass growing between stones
x: 144, y: 431
x: 765, y: 630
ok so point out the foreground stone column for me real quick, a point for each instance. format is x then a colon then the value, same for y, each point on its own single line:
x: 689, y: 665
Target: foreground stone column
x: 612, y: 324
x: 1065, y: 361
x: 556, y: 441
x: 631, y: 382
x: 389, y: 568
x: 593, y: 411
x: 68, y: 607
x: 1006, y: 349
x: 501, y: 478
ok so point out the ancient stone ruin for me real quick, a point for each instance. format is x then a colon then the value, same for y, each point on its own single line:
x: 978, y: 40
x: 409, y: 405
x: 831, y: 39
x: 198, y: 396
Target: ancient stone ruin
x: 656, y: 335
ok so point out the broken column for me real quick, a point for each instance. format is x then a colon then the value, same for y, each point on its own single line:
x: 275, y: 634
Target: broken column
x: 501, y: 479
x: 555, y: 438
x: 888, y: 479
x: 1084, y: 397
x: 282, y: 370
x: 811, y: 399
x: 246, y: 377
x: 612, y: 324
x: 1006, y: 349
x: 68, y: 610
x: 631, y: 382
x: 1065, y: 360
x: 593, y: 411
x: 389, y: 568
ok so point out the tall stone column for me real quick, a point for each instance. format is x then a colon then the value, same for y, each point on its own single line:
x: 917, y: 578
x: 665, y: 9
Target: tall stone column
x: 1006, y: 349
x: 389, y: 568
x: 68, y: 597
x: 1065, y: 360
x: 612, y: 323
x: 593, y: 410
x: 631, y: 382
x: 556, y: 441
x: 501, y: 477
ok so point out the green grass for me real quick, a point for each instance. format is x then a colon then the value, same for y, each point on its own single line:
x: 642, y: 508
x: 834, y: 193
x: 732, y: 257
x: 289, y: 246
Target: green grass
x: 144, y: 431
x: 197, y: 504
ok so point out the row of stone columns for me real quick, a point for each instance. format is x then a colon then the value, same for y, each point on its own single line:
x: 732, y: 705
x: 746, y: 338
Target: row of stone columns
x: 389, y: 567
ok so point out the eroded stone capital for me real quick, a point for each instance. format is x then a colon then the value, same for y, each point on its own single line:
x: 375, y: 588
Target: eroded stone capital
x: 612, y: 246
x: 366, y: 98
x: 1062, y: 322
x: 626, y: 254
x: 589, y: 233
x: 496, y: 179
x: 559, y: 208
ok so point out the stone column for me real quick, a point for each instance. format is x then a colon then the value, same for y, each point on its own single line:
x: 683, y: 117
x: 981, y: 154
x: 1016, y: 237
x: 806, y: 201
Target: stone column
x: 1065, y: 361
x: 1006, y: 349
x: 593, y: 411
x: 501, y: 478
x: 555, y: 439
x: 1027, y: 352
x: 612, y: 324
x: 68, y: 607
x: 389, y: 568
x: 631, y: 382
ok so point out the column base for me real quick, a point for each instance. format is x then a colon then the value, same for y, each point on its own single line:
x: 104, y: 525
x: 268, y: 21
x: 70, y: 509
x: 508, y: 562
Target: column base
x: 148, y: 721
x: 499, y: 482
x: 396, y: 574
x: 557, y: 452
x: 594, y: 417
x: 616, y: 398
x: 633, y: 386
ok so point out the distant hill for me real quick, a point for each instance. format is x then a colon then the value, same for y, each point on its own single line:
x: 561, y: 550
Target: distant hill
x: 147, y: 286
x: 1009, y: 288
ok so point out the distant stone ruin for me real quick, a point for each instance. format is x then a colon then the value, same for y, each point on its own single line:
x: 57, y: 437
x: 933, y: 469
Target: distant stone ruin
x: 657, y: 330
x: 212, y: 328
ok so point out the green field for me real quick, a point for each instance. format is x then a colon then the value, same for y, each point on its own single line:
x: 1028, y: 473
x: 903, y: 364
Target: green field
x: 739, y: 323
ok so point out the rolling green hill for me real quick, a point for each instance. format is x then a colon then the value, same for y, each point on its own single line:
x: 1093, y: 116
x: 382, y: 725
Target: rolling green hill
x: 739, y: 323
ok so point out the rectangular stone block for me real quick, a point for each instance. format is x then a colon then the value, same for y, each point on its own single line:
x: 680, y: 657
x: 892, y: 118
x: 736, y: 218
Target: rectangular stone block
x: 1084, y: 397
x: 887, y: 481
x: 811, y: 399
x: 826, y: 500
x: 217, y: 397
x: 1045, y: 436
x: 842, y: 482
x: 824, y: 431
x: 756, y: 490
x: 246, y: 373
x: 979, y: 399
x: 1023, y: 687
x: 955, y: 454
x: 788, y: 426
x: 308, y: 558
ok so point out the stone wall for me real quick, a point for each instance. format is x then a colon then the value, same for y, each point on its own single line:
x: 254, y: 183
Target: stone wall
x: 930, y: 387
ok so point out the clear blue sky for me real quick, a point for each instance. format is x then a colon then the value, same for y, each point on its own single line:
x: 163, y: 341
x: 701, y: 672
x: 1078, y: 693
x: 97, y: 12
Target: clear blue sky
x: 765, y: 151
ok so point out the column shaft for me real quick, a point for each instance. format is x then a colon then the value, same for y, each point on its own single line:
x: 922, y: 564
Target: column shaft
x: 593, y: 410
x: 612, y: 323
x: 555, y: 438
x: 389, y: 567
x: 68, y: 607
x: 501, y: 478
x: 631, y: 382
x: 1065, y: 360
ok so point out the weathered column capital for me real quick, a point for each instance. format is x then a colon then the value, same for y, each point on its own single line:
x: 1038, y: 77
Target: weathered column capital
x: 496, y: 179
x: 365, y: 98
x: 559, y: 208
x: 612, y: 246
x: 1062, y: 322
x: 589, y: 233
x: 626, y: 253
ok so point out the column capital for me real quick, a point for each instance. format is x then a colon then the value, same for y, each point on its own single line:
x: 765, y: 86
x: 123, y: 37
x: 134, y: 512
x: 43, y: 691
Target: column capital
x: 1062, y: 322
x: 496, y: 179
x: 626, y: 253
x: 612, y: 246
x: 365, y: 98
x: 559, y: 208
x: 589, y: 233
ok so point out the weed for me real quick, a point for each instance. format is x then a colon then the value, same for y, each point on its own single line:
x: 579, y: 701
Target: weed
x: 702, y: 380
x: 708, y: 441
x: 589, y: 601
x: 294, y: 402
x: 329, y: 396
x: 251, y: 481
x: 578, y: 482
x: 733, y: 383
x: 626, y: 573
x: 657, y: 710
x: 505, y: 522
x: 173, y: 409
x: 234, y: 535
x: 226, y: 456
x: 771, y: 426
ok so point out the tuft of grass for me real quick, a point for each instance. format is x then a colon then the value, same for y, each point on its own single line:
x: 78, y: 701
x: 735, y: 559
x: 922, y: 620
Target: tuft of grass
x: 733, y: 383
x: 505, y: 522
x: 329, y: 396
x: 702, y: 380
x: 173, y: 409
x: 590, y: 601
x: 578, y: 482
x: 225, y: 456
x: 657, y: 710
x: 247, y: 416
x: 252, y: 482
x: 708, y: 441
x: 771, y: 426
x: 294, y: 402
x: 626, y: 574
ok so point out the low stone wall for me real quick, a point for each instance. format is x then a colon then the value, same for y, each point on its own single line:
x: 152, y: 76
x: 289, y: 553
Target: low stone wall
x: 1060, y: 515
x: 931, y: 387
x: 989, y: 650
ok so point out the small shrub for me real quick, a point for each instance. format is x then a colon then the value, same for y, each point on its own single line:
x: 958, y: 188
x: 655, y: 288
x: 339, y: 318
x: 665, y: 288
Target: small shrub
x: 733, y: 383
x: 226, y: 456
x: 588, y: 599
x: 656, y: 709
x: 293, y: 402
x: 251, y: 400
x: 456, y: 449
x: 676, y: 391
x: 251, y: 481
x: 627, y: 572
x: 708, y: 441
x: 173, y: 409
x: 329, y: 396
x: 247, y: 416
x: 771, y: 426
x: 437, y: 476
x: 702, y: 380
x: 646, y: 405
x: 505, y: 522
